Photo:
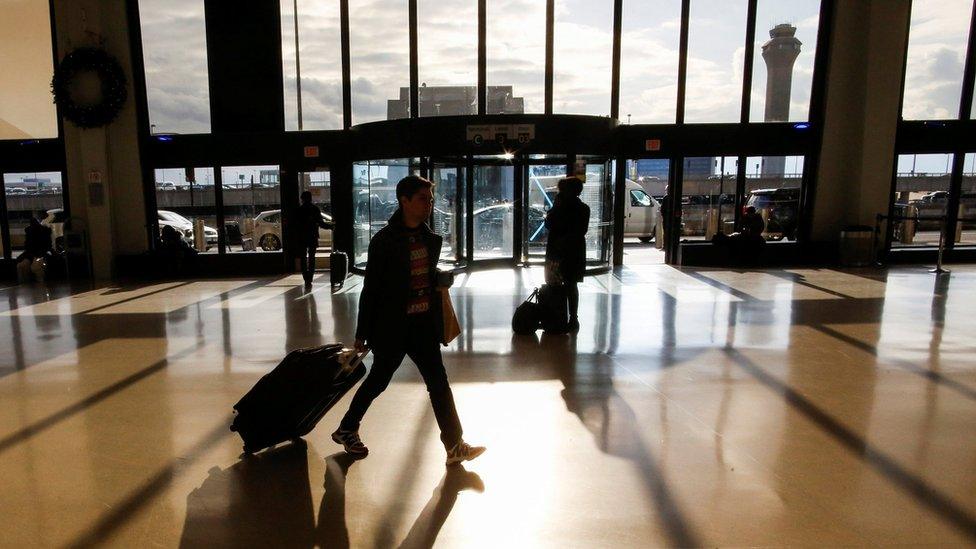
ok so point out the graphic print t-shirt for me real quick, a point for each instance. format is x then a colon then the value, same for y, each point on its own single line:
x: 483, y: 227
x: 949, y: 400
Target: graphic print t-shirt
x: 419, y: 301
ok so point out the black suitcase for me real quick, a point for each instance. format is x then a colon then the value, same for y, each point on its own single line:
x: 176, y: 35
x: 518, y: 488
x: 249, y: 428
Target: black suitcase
x: 338, y: 268
x: 290, y: 400
x: 526, y: 319
x: 555, y: 308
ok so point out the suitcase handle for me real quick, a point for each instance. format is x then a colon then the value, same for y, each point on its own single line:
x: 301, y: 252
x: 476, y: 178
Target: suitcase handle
x: 350, y: 358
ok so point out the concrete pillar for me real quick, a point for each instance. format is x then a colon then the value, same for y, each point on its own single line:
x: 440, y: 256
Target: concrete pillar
x: 115, y: 216
x: 863, y: 89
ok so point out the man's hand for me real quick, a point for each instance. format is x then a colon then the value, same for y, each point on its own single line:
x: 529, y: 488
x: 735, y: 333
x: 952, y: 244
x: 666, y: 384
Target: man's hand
x: 360, y: 346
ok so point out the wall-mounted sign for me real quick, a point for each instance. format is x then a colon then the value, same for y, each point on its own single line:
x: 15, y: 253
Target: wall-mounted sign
x: 501, y: 133
x: 479, y: 133
x: 652, y: 144
x: 312, y: 151
x: 94, y: 176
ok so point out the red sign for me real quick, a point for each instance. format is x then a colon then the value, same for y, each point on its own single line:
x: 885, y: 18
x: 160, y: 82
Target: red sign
x: 652, y: 145
x: 311, y: 151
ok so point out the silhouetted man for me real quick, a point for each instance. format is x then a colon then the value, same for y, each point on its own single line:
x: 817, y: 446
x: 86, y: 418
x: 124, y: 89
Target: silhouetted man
x: 400, y: 315
x: 309, y: 221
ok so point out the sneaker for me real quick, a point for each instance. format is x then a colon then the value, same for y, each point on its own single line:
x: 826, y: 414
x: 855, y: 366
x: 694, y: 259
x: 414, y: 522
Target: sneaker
x: 463, y: 452
x: 350, y: 442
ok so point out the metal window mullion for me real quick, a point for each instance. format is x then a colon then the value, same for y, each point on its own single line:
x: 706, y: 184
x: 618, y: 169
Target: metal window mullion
x: 952, y: 206
x: 550, y: 40
x: 966, y: 101
x: 747, y: 65
x: 740, y: 192
x: 482, y: 56
x: 682, y: 62
x: 414, y: 66
x: 219, y: 204
x: 618, y: 6
x: 346, y: 64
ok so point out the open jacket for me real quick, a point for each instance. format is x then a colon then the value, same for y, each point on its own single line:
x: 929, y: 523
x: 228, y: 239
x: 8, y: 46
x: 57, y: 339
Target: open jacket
x: 386, y: 288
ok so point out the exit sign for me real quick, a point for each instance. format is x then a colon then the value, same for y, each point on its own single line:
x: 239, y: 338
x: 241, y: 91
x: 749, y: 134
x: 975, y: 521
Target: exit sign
x: 311, y: 151
x: 652, y: 144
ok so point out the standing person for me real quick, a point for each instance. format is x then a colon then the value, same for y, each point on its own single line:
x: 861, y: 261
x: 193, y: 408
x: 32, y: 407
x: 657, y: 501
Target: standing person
x: 568, y: 221
x: 309, y: 221
x: 400, y: 315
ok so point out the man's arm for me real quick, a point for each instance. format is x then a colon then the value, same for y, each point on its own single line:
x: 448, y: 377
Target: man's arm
x: 367, y: 298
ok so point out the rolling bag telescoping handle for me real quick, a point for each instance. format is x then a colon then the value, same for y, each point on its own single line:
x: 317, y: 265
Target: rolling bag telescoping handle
x: 350, y: 358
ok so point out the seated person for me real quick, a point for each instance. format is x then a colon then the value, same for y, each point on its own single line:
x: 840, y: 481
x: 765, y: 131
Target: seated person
x: 37, y: 249
x: 174, y: 249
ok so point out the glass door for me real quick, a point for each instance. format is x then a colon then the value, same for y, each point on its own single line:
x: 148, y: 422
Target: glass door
x: 319, y: 183
x: 598, y: 195
x: 540, y: 195
x: 449, y: 216
x: 493, y: 216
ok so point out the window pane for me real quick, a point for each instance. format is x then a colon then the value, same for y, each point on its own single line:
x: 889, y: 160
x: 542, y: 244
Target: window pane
x: 35, y: 194
x: 598, y: 195
x: 374, y: 200
x: 379, y: 43
x: 184, y: 201
x: 966, y: 228
x: 922, y: 190
x: 649, y: 62
x: 252, y: 207
x: 716, y: 43
x: 174, y: 47
x: 448, y: 56
x: 937, y: 43
x: 516, y: 56
x: 449, y: 212
x: 542, y: 194
x: 494, y: 211
x: 320, y: 58
x: 320, y: 185
x: 786, y: 44
x: 708, y: 197
x: 26, y: 110
x: 582, y: 56
x: 773, y: 186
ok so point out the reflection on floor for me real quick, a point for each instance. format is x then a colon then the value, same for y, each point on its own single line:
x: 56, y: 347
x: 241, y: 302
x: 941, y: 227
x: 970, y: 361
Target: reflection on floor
x: 695, y: 407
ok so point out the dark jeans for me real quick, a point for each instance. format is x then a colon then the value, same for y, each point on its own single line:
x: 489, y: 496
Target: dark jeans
x: 419, y: 342
x: 308, y: 263
x: 572, y: 298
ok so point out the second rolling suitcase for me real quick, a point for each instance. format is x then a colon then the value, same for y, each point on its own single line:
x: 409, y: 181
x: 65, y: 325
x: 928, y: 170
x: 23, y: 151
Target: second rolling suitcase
x: 290, y: 400
x: 338, y: 268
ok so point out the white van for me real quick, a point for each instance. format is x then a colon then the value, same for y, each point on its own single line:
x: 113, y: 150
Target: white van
x: 641, y: 212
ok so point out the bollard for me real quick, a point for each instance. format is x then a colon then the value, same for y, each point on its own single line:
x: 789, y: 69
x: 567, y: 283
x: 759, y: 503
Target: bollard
x: 908, y: 225
x: 938, y: 262
x: 199, y: 236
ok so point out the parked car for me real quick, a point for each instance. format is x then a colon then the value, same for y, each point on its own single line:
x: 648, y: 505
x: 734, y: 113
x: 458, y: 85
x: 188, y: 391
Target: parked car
x: 16, y: 191
x: 781, y: 206
x: 165, y: 186
x: 641, y: 213
x: 267, y: 231
x: 185, y: 227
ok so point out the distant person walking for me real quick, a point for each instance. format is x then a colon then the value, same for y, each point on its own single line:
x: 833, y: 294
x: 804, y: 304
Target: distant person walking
x: 309, y: 221
x: 567, y: 222
x: 400, y: 315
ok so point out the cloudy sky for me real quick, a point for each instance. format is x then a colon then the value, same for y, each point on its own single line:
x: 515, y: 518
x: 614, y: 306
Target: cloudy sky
x: 174, y: 38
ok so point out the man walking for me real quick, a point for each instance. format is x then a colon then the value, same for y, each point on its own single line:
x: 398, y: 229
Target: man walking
x: 400, y: 315
x: 309, y: 221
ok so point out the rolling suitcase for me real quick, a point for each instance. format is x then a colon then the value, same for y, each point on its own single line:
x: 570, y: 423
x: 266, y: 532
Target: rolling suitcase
x: 290, y: 400
x: 555, y: 308
x: 338, y: 268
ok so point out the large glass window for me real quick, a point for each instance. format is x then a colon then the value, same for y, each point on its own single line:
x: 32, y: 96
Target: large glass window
x: 379, y: 43
x: 708, y: 197
x: 922, y: 192
x: 26, y: 110
x: 773, y: 187
x: 494, y: 211
x: 35, y: 194
x: 716, y: 38
x: 185, y: 204
x: 937, y: 42
x: 374, y: 199
x: 582, y: 57
x: 252, y: 207
x: 447, y: 43
x: 649, y: 62
x: 319, y: 57
x: 174, y: 46
x: 516, y: 44
x: 782, y: 69
x: 319, y: 183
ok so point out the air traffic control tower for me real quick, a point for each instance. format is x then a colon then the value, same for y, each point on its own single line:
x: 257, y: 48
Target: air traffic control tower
x: 779, y: 53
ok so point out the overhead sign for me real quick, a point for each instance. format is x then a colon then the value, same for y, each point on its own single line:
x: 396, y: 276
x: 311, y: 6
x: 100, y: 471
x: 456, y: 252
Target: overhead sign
x: 501, y: 133
x: 312, y: 151
x: 652, y: 144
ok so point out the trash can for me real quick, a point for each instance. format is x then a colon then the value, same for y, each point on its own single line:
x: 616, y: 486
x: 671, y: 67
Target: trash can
x: 856, y: 246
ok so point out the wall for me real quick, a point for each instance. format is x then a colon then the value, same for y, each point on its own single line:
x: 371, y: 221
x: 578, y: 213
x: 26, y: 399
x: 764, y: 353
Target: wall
x: 118, y: 224
x: 863, y: 93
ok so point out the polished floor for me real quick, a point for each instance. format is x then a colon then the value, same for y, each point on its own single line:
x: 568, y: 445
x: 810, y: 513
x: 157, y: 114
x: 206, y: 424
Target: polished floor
x: 696, y: 407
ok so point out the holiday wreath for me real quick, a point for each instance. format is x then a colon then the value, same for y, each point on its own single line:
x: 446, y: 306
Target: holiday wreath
x: 89, y: 86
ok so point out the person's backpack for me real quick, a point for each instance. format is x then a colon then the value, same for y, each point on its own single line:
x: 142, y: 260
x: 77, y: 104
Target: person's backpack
x: 528, y: 315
